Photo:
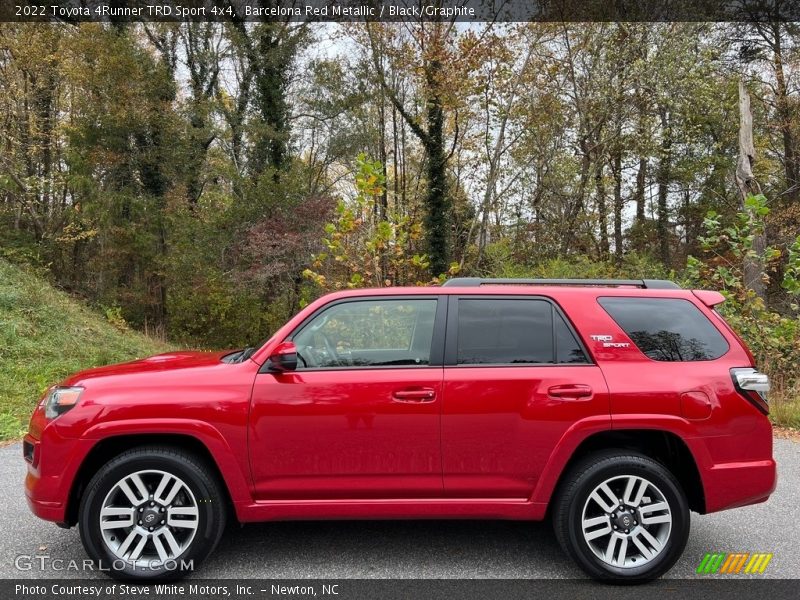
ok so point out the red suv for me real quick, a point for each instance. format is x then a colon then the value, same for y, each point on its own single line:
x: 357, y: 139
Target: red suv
x: 614, y: 406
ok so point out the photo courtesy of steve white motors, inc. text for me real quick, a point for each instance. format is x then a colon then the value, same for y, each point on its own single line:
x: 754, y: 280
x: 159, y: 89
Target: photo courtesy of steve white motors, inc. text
x: 172, y: 590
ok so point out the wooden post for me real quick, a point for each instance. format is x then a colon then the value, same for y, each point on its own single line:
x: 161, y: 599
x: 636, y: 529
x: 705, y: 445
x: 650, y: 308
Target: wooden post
x: 747, y: 184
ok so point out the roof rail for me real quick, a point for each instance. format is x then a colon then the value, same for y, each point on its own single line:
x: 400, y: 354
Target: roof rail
x: 650, y: 284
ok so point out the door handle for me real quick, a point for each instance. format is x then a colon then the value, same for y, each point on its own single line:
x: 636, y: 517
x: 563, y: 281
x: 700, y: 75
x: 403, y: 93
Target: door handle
x: 570, y: 392
x: 416, y: 395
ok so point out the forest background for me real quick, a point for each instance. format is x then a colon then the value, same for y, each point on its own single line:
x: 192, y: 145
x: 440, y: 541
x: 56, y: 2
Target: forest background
x: 201, y: 182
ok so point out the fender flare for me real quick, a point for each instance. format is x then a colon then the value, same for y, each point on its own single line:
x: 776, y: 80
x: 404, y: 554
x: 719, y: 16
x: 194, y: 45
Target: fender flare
x: 563, y: 452
x: 230, y: 468
x: 585, y: 428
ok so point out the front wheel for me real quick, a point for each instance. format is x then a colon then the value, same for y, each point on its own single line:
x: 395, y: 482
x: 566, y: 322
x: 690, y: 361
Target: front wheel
x: 151, y: 513
x: 622, y: 517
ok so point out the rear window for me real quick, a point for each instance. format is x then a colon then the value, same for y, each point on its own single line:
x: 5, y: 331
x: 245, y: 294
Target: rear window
x: 667, y: 329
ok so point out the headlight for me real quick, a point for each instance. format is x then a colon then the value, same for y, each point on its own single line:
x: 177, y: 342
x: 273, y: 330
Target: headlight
x: 60, y: 399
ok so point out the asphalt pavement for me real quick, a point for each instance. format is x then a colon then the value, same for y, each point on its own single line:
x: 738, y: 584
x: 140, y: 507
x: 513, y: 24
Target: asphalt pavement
x: 409, y: 549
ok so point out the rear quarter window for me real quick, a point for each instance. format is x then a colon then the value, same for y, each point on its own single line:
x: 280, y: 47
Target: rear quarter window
x: 667, y: 329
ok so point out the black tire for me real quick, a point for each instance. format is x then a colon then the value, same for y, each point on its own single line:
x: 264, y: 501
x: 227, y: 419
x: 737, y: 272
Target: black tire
x: 574, y: 491
x: 198, y: 477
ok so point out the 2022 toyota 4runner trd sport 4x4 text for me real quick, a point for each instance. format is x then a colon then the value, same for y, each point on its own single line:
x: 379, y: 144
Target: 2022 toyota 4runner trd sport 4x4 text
x: 614, y: 407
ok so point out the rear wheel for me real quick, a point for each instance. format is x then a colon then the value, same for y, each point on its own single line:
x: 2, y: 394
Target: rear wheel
x: 622, y: 517
x: 152, y: 513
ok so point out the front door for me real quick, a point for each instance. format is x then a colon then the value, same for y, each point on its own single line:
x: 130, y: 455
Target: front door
x: 360, y: 416
x: 516, y: 379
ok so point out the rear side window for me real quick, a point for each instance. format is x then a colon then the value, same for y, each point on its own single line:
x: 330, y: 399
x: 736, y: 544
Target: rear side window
x: 568, y: 350
x: 667, y: 329
x: 513, y: 331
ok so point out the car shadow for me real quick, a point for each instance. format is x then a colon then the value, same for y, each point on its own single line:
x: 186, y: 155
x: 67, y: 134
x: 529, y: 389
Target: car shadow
x: 390, y: 549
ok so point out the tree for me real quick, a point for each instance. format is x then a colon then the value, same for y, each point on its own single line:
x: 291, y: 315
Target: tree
x: 748, y: 186
x: 429, y: 49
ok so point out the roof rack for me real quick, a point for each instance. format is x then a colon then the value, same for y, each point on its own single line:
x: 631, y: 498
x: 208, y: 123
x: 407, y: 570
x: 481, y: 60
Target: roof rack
x: 648, y: 284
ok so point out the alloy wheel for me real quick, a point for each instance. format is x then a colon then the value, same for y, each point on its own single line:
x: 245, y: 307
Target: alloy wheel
x: 626, y: 521
x: 148, y: 518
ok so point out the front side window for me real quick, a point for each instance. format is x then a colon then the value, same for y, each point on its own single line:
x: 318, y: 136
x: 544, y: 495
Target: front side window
x: 667, y: 329
x: 368, y: 333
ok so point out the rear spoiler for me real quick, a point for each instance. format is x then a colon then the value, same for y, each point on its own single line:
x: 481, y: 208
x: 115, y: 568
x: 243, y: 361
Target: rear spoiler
x: 709, y: 297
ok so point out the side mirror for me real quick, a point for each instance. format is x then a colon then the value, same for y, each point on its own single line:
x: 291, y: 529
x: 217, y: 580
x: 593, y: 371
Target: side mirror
x: 283, y: 358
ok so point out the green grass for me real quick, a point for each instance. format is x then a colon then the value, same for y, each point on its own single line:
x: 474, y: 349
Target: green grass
x: 784, y: 409
x: 44, y: 336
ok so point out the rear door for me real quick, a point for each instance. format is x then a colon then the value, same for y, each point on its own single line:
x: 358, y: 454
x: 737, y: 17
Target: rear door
x: 516, y: 378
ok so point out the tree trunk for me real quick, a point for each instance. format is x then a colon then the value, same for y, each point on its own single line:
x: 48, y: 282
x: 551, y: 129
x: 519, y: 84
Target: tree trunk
x: 641, y: 173
x: 746, y: 181
x: 662, y: 179
x: 437, y: 213
x: 271, y: 80
x: 383, y: 204
x: 485, y: 209
x: 602, y: 209
x: 784, y: 117
x: 568, y: 237
x: 641, y: 179
x: 395, y: 159
x: 616, y: 169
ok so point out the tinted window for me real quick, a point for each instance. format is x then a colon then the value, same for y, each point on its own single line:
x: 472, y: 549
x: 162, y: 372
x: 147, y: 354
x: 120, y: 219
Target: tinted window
x: 568, y: 350
x: 369, y: 333
x: 494, y: 331
x: 667, y: 329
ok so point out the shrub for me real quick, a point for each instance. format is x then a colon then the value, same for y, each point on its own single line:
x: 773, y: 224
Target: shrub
x: 773, y: 337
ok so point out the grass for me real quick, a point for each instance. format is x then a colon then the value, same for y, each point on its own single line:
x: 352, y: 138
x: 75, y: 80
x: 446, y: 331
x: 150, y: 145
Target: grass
x: 44, y: 336
x: 784, y: 409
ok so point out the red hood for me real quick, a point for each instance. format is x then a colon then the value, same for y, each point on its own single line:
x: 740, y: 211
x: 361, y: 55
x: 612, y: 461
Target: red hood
x: 169, y: 361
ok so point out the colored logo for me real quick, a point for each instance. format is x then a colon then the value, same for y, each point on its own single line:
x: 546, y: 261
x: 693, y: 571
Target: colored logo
x: 719, y: 563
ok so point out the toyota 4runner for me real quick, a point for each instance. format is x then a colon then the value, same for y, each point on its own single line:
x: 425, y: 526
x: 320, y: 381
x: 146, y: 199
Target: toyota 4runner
x: 612, y: 407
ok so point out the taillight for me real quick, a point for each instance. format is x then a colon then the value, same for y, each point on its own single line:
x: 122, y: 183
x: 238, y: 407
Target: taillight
x: 752, y: 385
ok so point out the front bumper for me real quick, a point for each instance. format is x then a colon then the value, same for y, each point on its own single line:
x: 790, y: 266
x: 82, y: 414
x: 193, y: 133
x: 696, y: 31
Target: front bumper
x: 52, y: 467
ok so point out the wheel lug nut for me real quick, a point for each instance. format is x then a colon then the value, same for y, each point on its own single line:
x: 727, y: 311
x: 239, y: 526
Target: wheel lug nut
x: 140, y: 522
x: 151, y: 529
